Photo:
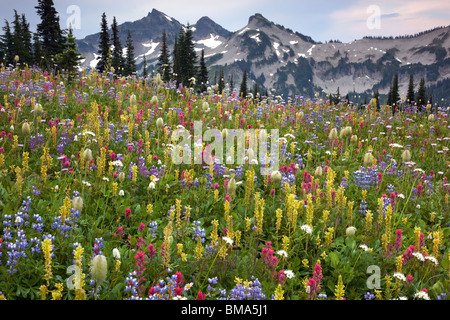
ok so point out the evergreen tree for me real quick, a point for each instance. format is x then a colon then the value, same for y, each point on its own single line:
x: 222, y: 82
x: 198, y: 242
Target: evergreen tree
x: 22, y: 39
x: 163, y: 65
x: 104, y: 45
x: 395, y: 95
x: 27, y: 40
x: 188, y: 57
x: 176, y: 56
x: 117, y: 60
x: 221, y: 84
x: 7, y: 43
x: 18, y: 46
x: 421, y: 95
x: 255, y: 90
x: 69, y: 59
x: 49, y: 30
x: 144, y: 67
x: 37, y: 52
x: 130, y: 65
x: 389, y: 97
x: 410, y: 94
x: 243, y: 90
x: 203, y: 73
x: 231, y: 83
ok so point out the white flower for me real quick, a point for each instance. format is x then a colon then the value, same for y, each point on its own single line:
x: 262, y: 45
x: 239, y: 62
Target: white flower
x: 282, y: 253
x: 151, y: 185
x: 402, y: 298
x: 89, y: 132
x: 289, y: 274
x: 308, y: 289
x: 179, y: 298
x: 188, y: 286
x: 117, y: 163
x: 395, y: 145
x: 422, y: 295
x: 418, y: 256
x: 401, y: 195
x: 418, y: 206
x: 432, y: 259
x: 116, y: 253
x: 364, y: 247
x: 18, y: 220
x: 228, y: 240
x: 121, y: 193
x: 306, y: 228
x: 400, y: 276
x: 86, y: 183
x: 105, y: 179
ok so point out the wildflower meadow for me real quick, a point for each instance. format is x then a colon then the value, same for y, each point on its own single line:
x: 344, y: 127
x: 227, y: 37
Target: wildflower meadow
x: 94, y: 207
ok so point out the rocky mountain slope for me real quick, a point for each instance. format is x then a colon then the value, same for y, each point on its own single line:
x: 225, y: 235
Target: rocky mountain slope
x: 290, y: 63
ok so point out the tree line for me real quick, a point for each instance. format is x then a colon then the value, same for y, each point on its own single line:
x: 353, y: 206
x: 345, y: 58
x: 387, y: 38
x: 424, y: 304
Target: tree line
x: 54, y: 49
x: 49, y: 47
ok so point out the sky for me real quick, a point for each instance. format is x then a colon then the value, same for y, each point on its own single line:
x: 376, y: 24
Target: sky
x: 322, y: 20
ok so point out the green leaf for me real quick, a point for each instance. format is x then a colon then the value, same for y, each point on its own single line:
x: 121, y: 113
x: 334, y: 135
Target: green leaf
x: 334, y: 258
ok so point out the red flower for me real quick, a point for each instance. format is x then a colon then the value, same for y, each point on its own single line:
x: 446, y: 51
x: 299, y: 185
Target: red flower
x: 128, y: 213
x: 201, y: 296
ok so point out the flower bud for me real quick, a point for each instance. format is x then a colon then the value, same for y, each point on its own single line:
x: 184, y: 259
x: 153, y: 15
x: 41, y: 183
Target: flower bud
x: 116, y: 253
x: 77, y: 203
x: 26, y: 129
x: 318, y: 172
x: 406, y: 156
x: 350, y: 232
x: 154, y: 100
x: 159, y: 123
x: 121, y: 176
x: 87, y: 155
x: 431, y: 117
x: 354, y: 139
x: 133, y: 100
x: 99, y: 268
x: 38, y: 110
x: 333, y: 134
x: 275, y: 177
x: 231, y: 187
x: 368, y: 159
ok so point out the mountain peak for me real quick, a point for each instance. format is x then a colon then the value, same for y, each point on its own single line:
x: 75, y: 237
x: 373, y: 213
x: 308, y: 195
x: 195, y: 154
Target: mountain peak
x: 259, y: 20
x: 205, y: 26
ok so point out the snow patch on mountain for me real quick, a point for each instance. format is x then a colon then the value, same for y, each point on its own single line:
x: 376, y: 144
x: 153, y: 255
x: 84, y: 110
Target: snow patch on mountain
x: 212, y: 42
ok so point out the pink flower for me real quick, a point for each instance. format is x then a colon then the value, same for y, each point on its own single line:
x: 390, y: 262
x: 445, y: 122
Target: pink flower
x: 119, y: 232
x: 201, y: 296
x: 151, y: 251
x: 128, y: 213
x: 419, y: 190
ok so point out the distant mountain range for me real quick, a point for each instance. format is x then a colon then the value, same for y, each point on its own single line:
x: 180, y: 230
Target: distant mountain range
x: 290, y: 63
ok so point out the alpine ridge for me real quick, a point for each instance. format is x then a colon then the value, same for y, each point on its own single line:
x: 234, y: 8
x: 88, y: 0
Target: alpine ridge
x: 289, y: 63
